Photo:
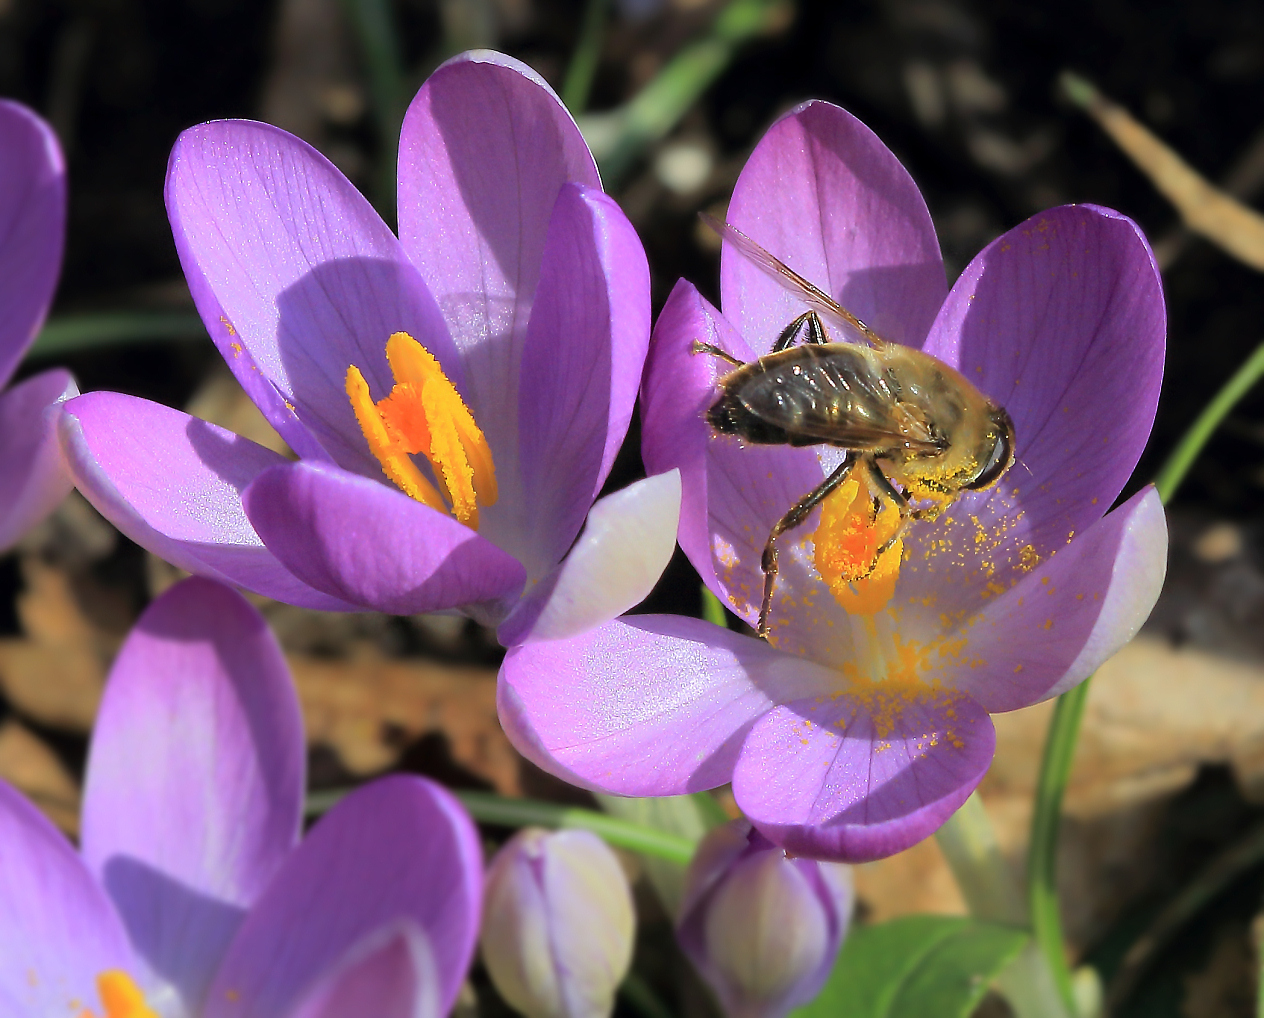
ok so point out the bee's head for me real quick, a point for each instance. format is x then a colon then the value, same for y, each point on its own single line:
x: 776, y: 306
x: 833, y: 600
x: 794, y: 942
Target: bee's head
x: 1000, y: 456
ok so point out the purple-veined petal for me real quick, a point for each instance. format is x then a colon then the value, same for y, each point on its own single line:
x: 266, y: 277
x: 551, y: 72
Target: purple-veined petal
x: 485, y: 148
x: 58, y: 930
x: 1053, y: 628
x: 854, y: 776
x: 626, y: 544
x: 732, y: 493
x: 391, y: 975
x: 366, y: 543
x: 398, y: 850
x: 581, y: 367
x: 1060, y: 321
x: 33, y: 475
x: 173, y: 484
x: 194, y: 789
x: 646, y: 705
x: 824, y: 195
x: 296, y: 278
x: 32, y: 228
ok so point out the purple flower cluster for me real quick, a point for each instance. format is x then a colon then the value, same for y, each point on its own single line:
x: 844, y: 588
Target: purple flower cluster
x: 854, y: 732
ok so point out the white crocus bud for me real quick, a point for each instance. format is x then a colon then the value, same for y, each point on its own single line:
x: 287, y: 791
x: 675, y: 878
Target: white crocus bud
x: 557, y: 924
x: 763, y: 929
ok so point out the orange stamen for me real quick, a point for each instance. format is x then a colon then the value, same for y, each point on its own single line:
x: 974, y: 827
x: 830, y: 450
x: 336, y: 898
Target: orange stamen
x: 846, y: 543
x: 425, y: 414
x: 120, y: 997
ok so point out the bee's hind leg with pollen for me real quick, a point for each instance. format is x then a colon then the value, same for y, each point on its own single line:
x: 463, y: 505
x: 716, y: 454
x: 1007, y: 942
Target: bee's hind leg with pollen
x: 795, y: 516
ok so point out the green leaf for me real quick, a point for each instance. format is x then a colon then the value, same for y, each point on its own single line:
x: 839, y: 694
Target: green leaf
x: 916, y: 966
x: 72, y: 333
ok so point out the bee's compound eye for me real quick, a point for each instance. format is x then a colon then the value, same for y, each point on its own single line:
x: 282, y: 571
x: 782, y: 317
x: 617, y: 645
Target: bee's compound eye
x: 1001, y: 456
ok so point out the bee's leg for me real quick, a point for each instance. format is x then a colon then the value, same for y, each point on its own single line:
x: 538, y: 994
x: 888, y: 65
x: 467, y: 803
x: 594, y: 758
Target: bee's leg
x: 797, y: 514
x: 816, y: 331
x: 884, y: 485
x: 790, y: 333
x: 701, y: 347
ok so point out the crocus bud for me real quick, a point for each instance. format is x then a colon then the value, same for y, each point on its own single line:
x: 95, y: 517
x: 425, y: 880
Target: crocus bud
x: 762, y: 928
x: 557, y: 924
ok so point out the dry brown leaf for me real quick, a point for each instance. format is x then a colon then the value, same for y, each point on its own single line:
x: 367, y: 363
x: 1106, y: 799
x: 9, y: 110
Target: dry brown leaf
x: 30, y: 766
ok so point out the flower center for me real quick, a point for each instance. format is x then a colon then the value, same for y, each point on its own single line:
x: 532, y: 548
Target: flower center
x: 120, y: 997
x: 425, y: 414
x: 855, y: 553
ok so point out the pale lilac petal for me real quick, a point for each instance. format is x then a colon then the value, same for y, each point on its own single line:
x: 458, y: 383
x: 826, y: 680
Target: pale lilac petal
x: 485, y: 148
x: 626, y: 544
x: 173, y: 484
x: 1054, y: 627
x: 363, y: 542
x: 646, y: 705
x: 581, y: 367
x: 854, y: 776
x: 296, y: 278
x: 1061, y: 321
x: 33, y: 475
x: 398, y: 850
x: 194, y: 789
x: 391, y: 975
x: 824, y: 195
x: 32, y: 228
x: 733, y: 494
x: 58, y: 930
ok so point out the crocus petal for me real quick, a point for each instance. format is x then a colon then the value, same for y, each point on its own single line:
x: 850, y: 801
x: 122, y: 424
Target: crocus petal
x: 363, y: 542
x: 647, y: 705
x: 32, y: 228
x: 392, y: 975
x: 33, y: 476
x: 58, y: 930
x: 173, y: 483
x: 626, y: 544
x: 194, y: 790
x: 581, y: 366
x: 1053, y: 628
x: 732, y: 493
x: 855, y: 776
x: 398, y: 850
x: 1061, y: 321
x: 824, y: 195
x: 485, y: 147
x: 296, y: 278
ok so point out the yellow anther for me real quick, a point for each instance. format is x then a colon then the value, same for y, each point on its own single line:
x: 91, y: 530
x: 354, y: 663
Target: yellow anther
x: 847, y: 543
x: 121, y: 997
x: 425, y: 414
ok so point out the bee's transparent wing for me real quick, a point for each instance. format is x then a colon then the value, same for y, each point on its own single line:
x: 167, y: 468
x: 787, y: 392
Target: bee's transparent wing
x: 812, y: 295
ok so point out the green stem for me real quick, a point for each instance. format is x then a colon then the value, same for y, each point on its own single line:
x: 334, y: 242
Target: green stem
x: 583, y: 67
x: 1064, y: 728
x: 72, y: 333
x: 498, y: 809
x: 1191, y: 444
x: 968, y: 842
x: 1042, y: 861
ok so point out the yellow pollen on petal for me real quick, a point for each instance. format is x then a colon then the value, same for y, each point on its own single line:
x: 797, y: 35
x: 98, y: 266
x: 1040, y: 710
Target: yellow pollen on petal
x: 847, y: 541
x: 425, y: 414
x: 120, y: 997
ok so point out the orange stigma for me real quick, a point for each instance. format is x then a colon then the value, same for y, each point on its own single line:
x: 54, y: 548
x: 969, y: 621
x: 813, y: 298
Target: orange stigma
x: 851, y: 531
x: 425, y: 414
x: 120, y: 997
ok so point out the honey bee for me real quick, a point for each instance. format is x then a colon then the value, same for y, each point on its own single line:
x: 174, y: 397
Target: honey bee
x: 917, y: 427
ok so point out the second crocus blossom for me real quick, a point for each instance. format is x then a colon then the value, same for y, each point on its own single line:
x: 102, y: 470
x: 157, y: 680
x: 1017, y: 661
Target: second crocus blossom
x: 33, y: 478
x: 557, y: 924
x: 192, y: 896
x: 763, y: 929
x: 863, y: 722
x: 455, y: 396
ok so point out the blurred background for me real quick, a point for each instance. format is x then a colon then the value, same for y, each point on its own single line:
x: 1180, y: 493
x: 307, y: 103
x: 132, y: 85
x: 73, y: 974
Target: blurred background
x: 672, y: 95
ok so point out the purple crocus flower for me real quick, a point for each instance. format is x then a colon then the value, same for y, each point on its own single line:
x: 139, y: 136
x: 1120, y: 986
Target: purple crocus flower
x: 192, y: 895
x: 501, y: 337
x: 33, y: 478
x: 852, y: 736
x: 764, y: 929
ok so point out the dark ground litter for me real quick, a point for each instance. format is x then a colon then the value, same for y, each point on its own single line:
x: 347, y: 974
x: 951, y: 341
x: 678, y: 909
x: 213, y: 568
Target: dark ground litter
x: 964, y: 92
